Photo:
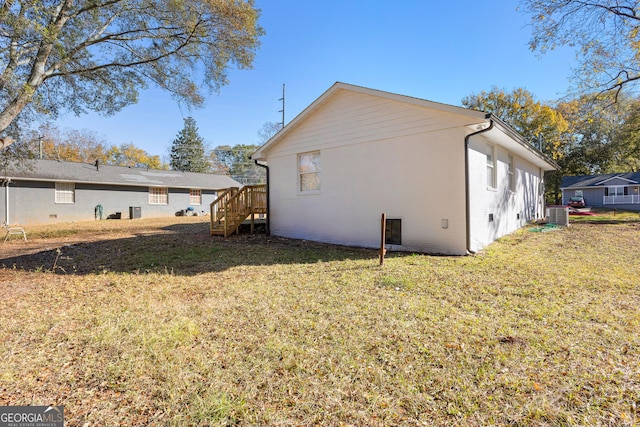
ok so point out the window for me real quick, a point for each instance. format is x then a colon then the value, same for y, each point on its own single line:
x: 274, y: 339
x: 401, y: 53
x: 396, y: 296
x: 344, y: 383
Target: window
x: 616, y: 191
x: 491, y: 166
x: 195, y: 197
x: 65, y: 192
x: 510, y: 170
x: 158, y: 196
x: 579, y: 193
x: 393, y: 232
x: 309, y: 171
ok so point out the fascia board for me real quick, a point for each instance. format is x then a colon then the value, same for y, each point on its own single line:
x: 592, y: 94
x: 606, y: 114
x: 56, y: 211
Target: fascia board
x: 476, y: 115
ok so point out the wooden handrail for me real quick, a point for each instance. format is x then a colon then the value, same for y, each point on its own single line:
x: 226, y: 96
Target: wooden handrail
x: 233, y: 206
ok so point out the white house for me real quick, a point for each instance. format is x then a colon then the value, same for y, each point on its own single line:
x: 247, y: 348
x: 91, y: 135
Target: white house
x: 450, y: 180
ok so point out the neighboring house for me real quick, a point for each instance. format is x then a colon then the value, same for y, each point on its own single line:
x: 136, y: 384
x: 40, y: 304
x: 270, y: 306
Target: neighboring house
x: 614, y: 190
x: 56, y: 191
x: 450, y: 180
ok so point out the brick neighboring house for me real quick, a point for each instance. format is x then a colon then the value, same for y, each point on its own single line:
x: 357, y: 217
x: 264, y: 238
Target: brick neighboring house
x: 57, y: 191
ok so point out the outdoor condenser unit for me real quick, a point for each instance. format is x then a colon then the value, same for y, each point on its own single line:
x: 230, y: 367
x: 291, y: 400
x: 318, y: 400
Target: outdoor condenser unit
x: 558, y: 215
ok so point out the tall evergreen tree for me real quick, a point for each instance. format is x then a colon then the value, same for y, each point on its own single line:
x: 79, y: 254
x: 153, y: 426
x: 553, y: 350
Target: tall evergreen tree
x: 187, y: 150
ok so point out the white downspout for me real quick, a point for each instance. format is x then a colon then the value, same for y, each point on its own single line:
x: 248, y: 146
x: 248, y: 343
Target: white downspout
x: 6, y: 201
x: 541, y: 202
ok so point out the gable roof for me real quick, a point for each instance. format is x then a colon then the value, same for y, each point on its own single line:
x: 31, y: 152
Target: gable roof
x: 60, y: 171
x: 477, y: 120
x: 584, y: 181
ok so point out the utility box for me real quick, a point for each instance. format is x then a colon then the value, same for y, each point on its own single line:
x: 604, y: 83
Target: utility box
x: 135, y: 212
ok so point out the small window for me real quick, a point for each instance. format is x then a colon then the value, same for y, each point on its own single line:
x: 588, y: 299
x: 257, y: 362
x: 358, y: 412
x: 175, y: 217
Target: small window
x: 510, y: 170
x: 309, y: 171
x: 579, y: 193
x: 393, y: 232
x: 65, y: 192
x: 195, y: 197
x: 158, y: 196
x: 491, y: 166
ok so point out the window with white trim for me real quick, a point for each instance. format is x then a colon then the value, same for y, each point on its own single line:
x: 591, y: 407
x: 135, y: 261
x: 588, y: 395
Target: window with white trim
x: 491, y: 166
x: 309, y: 171
x: 510, y: 174
x: 195, y: 196
x: 65, y: 192
x: 158, y: 196
x: 616, y: 191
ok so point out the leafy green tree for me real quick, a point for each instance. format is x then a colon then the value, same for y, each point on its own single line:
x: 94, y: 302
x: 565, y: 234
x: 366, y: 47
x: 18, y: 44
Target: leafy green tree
x: 69, y: 144
x: 596, y: 129
x: 605, y: 33
x: 92, y: 55
x: 188, y: 151
x: 240, y: 166
x: 627, y: 156
x: 130, y: 155
x: 539, y: 123
x: 215, y: 165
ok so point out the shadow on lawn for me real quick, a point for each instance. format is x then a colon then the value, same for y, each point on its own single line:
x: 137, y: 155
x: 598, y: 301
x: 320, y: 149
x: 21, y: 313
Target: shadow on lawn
x: 183, y: 249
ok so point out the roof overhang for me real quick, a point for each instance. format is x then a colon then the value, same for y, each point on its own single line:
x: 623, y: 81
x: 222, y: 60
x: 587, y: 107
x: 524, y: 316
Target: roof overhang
x: 10, y: 179
x: 505, y: 136
x: 500, y: 133
x: 260, y: 153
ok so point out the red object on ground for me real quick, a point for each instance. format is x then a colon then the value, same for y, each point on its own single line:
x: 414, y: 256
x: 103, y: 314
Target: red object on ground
x: 581, y: 213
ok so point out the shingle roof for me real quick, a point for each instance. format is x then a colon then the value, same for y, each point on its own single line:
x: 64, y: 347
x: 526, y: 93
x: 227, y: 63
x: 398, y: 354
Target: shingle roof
x: 53, y: 170
x: 581, y: 181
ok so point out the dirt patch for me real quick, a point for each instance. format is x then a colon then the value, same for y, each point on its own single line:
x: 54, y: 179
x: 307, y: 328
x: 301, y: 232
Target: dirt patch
x: 17, y: 248
x: 44, y: 242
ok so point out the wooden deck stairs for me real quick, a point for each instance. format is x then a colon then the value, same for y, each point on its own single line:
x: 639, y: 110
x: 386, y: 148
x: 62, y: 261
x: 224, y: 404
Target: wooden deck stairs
x: 234, y: 205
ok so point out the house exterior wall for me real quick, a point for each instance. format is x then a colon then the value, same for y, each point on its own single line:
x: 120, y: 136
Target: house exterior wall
x: 377, y: 156
x: 509, y: 209
x: 594, y: 196
x: 32, y: 202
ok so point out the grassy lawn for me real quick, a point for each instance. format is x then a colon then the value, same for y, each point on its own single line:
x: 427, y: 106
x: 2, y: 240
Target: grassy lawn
x: 606, y: 215
x: 161, y: 324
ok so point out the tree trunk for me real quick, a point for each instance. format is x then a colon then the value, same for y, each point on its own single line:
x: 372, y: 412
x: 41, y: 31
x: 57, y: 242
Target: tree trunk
x: 8, y: 115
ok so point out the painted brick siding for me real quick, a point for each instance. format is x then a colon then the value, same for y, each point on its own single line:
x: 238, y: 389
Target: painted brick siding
x: 376, y: 156
x: 510, y: 209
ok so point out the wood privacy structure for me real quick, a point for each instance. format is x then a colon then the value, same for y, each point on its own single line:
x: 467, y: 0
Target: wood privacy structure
x: 234, y: 205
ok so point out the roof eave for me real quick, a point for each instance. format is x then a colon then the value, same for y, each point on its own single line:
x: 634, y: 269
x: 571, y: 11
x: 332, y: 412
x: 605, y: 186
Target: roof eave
x: 543, y: 160
x: 260, y: 154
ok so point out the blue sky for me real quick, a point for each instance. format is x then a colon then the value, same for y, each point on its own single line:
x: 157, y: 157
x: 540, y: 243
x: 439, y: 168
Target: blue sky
x: 436, y: 50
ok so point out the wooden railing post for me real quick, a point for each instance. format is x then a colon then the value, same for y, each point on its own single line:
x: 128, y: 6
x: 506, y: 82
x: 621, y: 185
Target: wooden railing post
x: 233, y: 206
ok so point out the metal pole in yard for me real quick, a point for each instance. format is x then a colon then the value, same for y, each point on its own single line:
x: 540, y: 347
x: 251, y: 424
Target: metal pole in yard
x: 383, y: 237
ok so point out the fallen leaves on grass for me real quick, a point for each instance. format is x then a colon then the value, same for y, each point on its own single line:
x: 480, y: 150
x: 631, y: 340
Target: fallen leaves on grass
x: 257, y: 331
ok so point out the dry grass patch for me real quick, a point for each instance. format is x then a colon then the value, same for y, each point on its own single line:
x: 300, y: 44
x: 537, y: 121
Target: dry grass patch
x: 539, y: 329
